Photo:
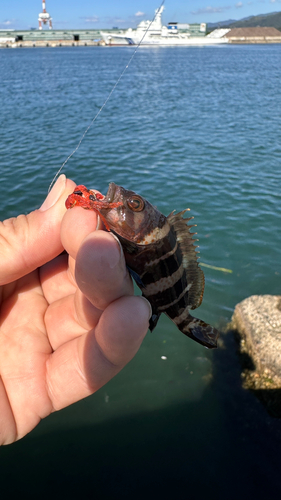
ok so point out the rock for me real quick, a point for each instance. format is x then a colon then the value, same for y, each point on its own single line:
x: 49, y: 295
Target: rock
x: 257, y: 321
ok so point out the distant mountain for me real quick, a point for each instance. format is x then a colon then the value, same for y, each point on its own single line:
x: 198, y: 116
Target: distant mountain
x: 271, y: 20
x: 221, y: 24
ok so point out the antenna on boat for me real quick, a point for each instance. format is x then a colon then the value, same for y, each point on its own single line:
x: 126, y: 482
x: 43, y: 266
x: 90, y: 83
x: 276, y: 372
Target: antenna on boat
x: 107, y: 98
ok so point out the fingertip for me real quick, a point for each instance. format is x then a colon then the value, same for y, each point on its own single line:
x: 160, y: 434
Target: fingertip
x: 55, y: 193
x: 84, y: 364
x: 100, y: 271
x: 122, y: 328
x: 59, y: 192
x: 148, y: 307
x: 31, y: 240
x: 76, y: 225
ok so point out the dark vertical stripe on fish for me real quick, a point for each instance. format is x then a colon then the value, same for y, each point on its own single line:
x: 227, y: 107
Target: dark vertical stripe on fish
x: 162, y: 267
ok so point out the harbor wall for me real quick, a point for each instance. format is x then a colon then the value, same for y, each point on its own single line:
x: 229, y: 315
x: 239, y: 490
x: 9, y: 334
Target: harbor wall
x: 49, y: 43
x: 74, y: 38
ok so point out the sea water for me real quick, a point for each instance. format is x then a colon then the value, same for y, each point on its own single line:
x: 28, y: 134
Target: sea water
x: 194, y: 128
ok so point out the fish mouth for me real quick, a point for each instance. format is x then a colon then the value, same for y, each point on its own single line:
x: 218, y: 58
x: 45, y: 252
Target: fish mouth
x: 111, y: 192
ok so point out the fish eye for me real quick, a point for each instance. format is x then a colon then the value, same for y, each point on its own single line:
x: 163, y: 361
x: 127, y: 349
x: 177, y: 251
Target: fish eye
x: 135, y: 203
x: 78, y: 192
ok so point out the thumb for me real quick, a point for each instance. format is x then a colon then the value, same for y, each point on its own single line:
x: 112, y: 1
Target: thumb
x: 29, y: 241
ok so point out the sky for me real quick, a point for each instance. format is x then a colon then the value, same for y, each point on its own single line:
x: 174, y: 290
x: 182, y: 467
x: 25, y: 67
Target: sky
x: 96, y: 14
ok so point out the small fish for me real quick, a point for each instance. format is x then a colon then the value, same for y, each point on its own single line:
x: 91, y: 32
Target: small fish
x: 160, y: 255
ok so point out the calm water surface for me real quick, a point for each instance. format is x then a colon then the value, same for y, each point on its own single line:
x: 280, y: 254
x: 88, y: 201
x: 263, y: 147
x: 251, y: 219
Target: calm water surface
x: 186, y: 127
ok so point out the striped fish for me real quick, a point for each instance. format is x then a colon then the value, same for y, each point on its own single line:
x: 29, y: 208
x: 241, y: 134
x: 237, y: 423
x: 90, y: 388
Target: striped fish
x: 160, y: 255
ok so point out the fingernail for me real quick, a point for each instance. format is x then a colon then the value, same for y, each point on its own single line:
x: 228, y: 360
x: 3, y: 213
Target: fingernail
x: 121, y: 250
x: 54, y: 194
x: 99, y: 223
x: 149, y: 306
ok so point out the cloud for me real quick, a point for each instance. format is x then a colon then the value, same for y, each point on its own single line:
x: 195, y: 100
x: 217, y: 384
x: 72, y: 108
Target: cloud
x: 238, y: 5
x: 8, y: 22
x: 115, y: 21
x: 90, y: 19
x: 139, y: 14
x: 118, y: 21
x: 210, y: 10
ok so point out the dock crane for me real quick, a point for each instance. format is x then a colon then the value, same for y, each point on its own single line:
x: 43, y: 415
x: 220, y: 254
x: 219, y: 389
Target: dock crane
x: 44, y: 17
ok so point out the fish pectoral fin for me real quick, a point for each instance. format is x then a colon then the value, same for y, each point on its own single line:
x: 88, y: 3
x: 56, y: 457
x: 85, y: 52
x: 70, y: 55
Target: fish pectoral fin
x: 136, y: 277
x: 155, y: 315
x: 201, y: 332
x: 153, y: 320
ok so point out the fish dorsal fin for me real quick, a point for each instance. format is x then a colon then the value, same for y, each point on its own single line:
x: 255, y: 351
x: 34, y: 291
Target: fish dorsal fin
x: 194, y: 274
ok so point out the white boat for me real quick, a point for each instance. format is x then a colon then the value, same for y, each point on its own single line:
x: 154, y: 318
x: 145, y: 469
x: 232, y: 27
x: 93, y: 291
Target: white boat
x: 154, y: 33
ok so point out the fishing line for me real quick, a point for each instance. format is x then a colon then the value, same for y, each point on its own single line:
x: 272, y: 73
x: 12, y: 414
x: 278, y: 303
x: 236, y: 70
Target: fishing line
x: 105, y: 101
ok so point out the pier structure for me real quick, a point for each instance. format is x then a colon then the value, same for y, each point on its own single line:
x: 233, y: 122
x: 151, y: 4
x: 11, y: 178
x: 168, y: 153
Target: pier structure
x: 44, y: 17
x: 49, y: 38
x: 92, y: 37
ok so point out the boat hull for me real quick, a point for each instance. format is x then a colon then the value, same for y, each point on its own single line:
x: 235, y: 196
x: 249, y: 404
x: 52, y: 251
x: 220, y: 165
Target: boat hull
x: 113, y: 40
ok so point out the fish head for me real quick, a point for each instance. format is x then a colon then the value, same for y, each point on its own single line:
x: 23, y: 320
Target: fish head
x: 135, y: 219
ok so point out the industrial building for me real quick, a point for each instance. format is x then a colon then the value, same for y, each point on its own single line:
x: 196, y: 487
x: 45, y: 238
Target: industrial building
x: 39, y: 38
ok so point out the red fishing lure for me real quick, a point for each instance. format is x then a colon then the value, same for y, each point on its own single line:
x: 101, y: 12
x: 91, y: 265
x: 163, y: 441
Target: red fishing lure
x: 88, y: 199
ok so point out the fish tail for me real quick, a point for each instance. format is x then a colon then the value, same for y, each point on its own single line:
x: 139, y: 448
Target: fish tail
x: 200, y: 331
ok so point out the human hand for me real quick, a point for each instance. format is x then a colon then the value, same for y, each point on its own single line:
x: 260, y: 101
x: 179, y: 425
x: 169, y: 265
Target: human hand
x: 68, y: 323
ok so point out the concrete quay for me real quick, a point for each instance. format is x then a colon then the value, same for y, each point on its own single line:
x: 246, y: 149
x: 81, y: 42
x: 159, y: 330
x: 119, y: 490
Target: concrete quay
x: 50, y: 43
